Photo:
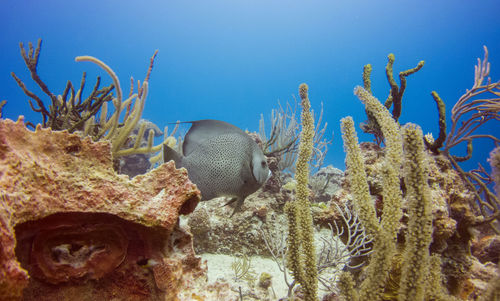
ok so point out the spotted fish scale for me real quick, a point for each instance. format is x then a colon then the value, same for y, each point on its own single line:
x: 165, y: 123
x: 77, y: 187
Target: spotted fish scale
x: 221, y: 160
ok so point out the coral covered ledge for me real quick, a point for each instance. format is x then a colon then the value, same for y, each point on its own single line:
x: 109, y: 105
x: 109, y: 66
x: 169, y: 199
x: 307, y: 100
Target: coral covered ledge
x: 73, y: 229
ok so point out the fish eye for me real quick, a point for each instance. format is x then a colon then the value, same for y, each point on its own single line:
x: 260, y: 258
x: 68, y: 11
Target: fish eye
x: 263, y: 163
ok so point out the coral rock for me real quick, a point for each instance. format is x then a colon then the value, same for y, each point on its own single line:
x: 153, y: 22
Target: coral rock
x: 72, y: 229
x: 487, y: 249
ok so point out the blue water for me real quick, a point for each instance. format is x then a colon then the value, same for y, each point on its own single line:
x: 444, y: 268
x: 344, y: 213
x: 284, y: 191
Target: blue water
x: 233, y: 60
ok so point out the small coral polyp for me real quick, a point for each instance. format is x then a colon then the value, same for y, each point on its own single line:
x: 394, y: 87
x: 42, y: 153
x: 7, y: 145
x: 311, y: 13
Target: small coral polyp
x: 65, y: 247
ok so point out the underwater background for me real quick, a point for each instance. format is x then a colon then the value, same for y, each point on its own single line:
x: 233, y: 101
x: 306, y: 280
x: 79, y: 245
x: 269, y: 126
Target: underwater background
x: 86, y: 219
x: 233, y: 60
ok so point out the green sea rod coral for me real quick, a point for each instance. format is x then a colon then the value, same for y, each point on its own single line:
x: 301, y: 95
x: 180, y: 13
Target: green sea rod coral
x: 416, y: 267
x: 394, y: 99
x: 396, y: 94
x: 301, y: 251
x: 357, y: 178
x: 384, y: 232
x: 441, y: 107
x: 419, y: 237
x: 391, y: 194
x: 383, y: 245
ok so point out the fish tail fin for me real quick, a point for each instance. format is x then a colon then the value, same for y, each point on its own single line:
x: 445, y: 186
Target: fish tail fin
x: 170, y: 154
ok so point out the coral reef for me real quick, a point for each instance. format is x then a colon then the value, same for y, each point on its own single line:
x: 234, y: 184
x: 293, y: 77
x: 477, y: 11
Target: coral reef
x: 449, y: 260
x: 463, y: 274
x: 404, y: 225
x: 452, y: 221
x: 450, y: 211
x: 72, y: 229
x: 464, y: 209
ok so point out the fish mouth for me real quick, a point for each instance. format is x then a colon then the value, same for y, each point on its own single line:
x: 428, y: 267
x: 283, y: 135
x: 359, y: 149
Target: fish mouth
x: 262, y: 179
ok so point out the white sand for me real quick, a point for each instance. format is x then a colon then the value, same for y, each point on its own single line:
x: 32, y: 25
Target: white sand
x: 219, y: 266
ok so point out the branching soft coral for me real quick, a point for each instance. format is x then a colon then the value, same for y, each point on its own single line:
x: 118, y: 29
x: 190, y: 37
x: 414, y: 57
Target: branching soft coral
x: 67, y: 111
x: 394, y: 99
x: 478, y: 106
x: 89, y: 116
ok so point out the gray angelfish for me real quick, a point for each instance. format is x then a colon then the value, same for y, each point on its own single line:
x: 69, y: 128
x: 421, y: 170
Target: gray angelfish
x: 221, y: 160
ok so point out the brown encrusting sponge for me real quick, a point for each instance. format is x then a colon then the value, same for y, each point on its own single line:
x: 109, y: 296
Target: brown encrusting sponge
x: 71, y: 228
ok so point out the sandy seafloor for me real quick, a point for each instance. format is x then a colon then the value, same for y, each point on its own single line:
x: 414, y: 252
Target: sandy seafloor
x: 219, y: 267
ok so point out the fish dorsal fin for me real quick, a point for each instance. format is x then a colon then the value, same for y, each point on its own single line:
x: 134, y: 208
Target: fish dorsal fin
x: 202, y: 130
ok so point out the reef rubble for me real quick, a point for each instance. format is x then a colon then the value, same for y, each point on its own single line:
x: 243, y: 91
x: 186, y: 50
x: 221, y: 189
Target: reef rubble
x: 71, y: 228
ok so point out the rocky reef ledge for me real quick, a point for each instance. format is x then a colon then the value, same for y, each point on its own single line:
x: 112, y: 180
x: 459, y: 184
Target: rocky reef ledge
x: 73, y: 229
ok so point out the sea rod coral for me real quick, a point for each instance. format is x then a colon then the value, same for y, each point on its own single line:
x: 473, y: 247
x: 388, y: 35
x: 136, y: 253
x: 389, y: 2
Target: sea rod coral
x: 302, y: 255
x: 394, y: 99
x: 416, y: 263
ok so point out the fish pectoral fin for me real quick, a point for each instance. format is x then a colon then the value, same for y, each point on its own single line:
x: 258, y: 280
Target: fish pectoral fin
x: 170, y: 154
x: 237, y: 208
x: 231, y: 200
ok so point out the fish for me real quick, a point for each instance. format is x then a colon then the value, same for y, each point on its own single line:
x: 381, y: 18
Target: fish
x: 222, y: 160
